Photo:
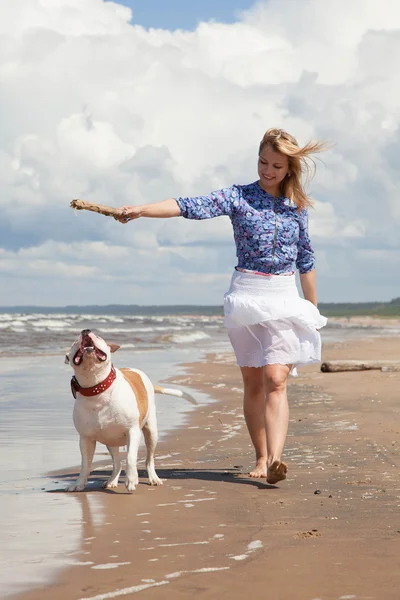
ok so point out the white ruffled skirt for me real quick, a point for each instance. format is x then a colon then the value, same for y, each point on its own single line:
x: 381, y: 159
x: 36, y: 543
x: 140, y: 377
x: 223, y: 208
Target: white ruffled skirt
x: 269, y: 323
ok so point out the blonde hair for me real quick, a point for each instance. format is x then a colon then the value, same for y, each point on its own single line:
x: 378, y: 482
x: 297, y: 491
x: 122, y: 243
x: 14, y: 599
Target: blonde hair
x: 302, y: 166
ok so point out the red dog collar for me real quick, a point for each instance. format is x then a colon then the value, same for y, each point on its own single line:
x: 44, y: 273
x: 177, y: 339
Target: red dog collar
x: 95, y: 390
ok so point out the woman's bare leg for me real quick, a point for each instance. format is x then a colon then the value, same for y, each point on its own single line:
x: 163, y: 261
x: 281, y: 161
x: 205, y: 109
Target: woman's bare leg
x: 276, y: 419
x: 254, y: 414
x: 266, y: 412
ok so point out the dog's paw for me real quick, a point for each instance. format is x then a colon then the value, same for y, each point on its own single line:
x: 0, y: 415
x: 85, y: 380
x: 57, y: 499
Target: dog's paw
x: 111, y: 483
x: 75, y: 487
x: 131, y: 484
x: 155, y: 480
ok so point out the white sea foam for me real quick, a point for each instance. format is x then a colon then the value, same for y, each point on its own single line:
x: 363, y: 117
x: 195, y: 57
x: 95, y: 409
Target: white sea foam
x: 110, y: 565
x: 125, y: 591
x: 139, y: 329
x: 186, y: 338
x: 251, y: 547
x: 203, y: 570
x: 52, y: 324
x: 17, y: 323
x: 256, y: 545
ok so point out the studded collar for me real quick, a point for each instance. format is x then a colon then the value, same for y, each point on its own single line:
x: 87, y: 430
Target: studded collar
x: 96, y: 389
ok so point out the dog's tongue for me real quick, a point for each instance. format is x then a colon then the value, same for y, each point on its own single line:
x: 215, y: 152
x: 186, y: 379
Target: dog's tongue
x: 100, y: 354
x: 78, y: 357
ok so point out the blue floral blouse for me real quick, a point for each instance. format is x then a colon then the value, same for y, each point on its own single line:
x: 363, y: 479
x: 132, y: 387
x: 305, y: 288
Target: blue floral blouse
x: 271, y: 235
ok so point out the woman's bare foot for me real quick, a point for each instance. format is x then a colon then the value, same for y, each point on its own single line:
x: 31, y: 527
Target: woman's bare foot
x: 260, y: 469
x: 276, y: 472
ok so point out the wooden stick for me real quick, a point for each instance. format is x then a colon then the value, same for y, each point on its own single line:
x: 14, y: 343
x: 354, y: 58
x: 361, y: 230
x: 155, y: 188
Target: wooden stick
x: 335, y: 366
x: 108, y: 211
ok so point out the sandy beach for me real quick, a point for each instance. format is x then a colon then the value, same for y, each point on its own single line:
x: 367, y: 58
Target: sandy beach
x: 330, y: 531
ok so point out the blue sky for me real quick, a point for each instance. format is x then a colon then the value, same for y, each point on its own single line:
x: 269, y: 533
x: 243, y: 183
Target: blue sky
x: 184, y: 14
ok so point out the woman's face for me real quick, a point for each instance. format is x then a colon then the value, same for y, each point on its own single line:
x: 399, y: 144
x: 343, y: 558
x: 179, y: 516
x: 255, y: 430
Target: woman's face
x: 272, y: 169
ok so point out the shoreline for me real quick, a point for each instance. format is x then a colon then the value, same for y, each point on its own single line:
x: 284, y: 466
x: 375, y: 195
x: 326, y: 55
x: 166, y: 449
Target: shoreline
x: 212, y: 528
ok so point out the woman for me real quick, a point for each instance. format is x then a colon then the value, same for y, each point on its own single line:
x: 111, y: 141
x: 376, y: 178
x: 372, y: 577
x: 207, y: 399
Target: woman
x: 272, y: 329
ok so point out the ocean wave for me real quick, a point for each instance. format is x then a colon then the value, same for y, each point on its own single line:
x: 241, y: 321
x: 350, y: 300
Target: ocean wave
x: 82, y: 321
x: 101, y: 318
x: 139, y: 329
x: 184, y: 338
x: 14, y: 325
x: 51, y: 324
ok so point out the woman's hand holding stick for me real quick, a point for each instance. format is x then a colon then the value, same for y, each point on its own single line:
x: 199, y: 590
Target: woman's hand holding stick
x: 164, y: 209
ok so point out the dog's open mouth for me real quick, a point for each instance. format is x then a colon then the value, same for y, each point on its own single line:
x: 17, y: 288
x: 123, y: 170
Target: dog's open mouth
x: 87, y: 347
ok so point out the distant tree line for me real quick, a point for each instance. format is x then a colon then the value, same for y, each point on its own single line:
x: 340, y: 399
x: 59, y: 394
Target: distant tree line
x: 349, y: 309
x: 330, y: 309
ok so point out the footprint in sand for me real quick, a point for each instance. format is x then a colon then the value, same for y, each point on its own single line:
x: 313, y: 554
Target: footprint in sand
x: 308, y: 534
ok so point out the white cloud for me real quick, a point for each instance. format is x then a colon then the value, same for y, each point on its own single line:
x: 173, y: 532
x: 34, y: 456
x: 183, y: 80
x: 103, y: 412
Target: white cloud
x: 84, y: 140
x: 95, y: 107
x: 326, y: 227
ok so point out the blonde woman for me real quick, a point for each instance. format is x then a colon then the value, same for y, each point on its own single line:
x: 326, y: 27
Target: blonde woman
x: 272, y: 329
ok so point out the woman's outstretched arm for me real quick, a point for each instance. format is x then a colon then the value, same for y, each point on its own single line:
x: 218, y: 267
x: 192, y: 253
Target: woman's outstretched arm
x: 215, y: 204
x: 159, y: 210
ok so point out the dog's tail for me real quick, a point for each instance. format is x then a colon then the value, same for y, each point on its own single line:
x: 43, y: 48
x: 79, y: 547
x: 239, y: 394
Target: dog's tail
x: 171, y: 392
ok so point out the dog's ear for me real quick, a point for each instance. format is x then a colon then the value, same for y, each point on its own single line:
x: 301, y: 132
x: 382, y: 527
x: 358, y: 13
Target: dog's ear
x: 114, y: 347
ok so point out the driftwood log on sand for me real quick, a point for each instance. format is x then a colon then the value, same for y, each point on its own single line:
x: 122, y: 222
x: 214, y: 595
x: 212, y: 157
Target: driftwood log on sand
x: 336, y: 366
x: 108, y: 211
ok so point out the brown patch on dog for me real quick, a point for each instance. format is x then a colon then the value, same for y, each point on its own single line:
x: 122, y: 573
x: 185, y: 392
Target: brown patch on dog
x: 139, y: 389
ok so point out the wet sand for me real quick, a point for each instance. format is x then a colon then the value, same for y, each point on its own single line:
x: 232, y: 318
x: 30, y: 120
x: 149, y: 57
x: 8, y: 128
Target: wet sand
x: 330, y: 531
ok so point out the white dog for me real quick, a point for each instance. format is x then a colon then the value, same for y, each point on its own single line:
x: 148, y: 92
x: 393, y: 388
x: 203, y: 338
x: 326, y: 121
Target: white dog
x: 112, y: 406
